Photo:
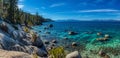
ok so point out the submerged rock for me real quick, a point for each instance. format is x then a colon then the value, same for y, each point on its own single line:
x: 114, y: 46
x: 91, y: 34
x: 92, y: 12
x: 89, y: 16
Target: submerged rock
x: 99, y: 33
x: 106, y: 56
x: 102, y: 39
x: 107, y: 36
x: 46, y: 28
x: 74, y: 44
x: 65, y: 38
x: 72, y: 33
x: 46, y: 42
x: 74, y: 54
x: 47, y: 32
x: 54, y: 41
x: 50, y: 25
x: 102, y: 53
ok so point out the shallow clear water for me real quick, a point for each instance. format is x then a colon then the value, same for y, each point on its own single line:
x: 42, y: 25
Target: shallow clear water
x: 87, y: 33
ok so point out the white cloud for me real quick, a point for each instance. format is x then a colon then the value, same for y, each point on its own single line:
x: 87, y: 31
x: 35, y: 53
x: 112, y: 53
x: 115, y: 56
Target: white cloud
x: 100, y: 10
x: 58, y: 4
x: 91, y: 11
x: 20, y: 6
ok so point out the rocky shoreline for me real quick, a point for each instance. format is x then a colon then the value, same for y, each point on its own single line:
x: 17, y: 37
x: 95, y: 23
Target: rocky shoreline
x: 24, y: 42
x: 20, y: 39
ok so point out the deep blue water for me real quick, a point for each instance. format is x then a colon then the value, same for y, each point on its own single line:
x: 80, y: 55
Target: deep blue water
x: 82, y: 26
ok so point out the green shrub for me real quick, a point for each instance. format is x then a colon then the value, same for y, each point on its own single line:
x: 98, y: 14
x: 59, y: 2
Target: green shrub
x: 35, y: 56
x: 26, y: 29
x: 57, y: 52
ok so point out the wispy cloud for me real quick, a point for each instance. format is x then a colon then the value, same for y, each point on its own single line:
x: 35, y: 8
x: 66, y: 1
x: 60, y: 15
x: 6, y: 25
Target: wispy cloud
x: 20, y: 6
x: 100, y: 10
x: 92, y: 11
x: 58, y: 4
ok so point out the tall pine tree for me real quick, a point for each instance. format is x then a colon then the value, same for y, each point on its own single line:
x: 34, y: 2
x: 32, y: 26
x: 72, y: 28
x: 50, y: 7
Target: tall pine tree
x: 12, y: 10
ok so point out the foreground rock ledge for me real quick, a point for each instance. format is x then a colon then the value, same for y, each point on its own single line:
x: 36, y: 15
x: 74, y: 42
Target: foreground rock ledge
x: 13, y: 54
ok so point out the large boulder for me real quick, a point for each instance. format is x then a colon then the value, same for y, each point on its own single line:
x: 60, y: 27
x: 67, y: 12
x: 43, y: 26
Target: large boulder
x: 3, y: 26
x: 6, y: 27
x: 6, y: 41
x: 39, y: 51
x: 74, y: 54
x: 38, y: 42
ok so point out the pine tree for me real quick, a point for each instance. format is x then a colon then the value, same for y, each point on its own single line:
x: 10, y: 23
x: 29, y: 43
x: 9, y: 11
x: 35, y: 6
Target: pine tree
x: 12, y: 10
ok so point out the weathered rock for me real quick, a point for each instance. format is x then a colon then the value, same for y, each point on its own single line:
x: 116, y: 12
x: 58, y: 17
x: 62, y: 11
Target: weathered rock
x: 26, y: 41
x: 15, y: 34
x: 29, y: 35
x: 18, y: 40
x: 22, y: 34
x: 3, y: 26
x: 38, y: 42
x: 17, y: 47
x: 6, y: 41
x: 39, y: 52
x: 74, y: 54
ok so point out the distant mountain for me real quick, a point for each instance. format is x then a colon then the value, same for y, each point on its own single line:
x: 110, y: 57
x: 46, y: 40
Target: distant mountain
x: 67, y: 20
x: 75, y: 20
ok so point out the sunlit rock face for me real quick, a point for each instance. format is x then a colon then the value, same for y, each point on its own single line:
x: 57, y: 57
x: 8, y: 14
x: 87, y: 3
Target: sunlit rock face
x: 19, y: 40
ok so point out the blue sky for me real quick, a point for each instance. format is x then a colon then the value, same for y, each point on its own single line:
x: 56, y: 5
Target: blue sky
x: 73, y: 9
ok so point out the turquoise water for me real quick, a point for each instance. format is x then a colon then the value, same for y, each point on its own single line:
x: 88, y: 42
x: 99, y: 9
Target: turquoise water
x: 87, y: 33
